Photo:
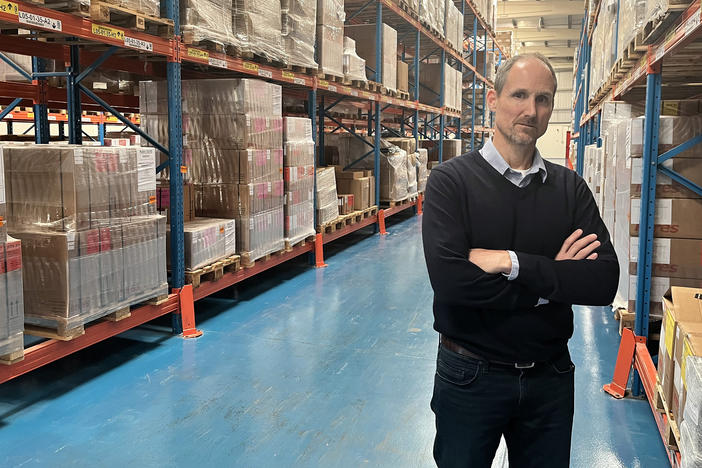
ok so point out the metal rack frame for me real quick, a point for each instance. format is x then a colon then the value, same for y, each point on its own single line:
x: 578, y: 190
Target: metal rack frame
x: 98, y: 45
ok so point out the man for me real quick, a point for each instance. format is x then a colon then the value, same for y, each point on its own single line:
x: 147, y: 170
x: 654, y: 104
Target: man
x: 511, y: 241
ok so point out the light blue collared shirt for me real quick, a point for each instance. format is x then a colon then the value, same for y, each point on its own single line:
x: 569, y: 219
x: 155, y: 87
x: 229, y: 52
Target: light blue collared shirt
x: 521, y: 180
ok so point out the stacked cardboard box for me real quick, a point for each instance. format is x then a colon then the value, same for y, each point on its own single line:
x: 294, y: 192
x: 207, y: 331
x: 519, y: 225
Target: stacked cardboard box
x: 677, y: 225
x: 330, y: 36
x: 431, y: 13
x: 327, y: 199
x: 298, y: 28
x: 365, y: 37
x: 207, y: 20
x: 359, y: 184
x: 298, y: 170
x: 403, y: 76
x: 11, y: 294
x: 431, y: 85
x: 422, y: 169
x: 233, y: 139
x: 87, y: 216
x: 257, y: 28
x: 354, y: 66
x: 691, y: 427
x: 206, y: 240
x: 454, y: 25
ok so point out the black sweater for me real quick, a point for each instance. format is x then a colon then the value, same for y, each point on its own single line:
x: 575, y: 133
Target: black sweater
x: 471, y: 205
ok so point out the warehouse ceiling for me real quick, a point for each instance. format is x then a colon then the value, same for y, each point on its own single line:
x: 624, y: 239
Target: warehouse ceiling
x: 551, y: 27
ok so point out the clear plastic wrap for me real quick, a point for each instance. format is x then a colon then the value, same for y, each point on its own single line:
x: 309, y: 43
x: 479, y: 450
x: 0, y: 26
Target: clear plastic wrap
x: 365, y: 37
x: 354, y: 66
x: 691, y: 427
x: 207, y: 240
x: 11, y: 298
x: 427, y: 12
x: 655, y: 9
x: 327, y: 204
x: 330, y: 36
x: 207, y: 20
x: 260, y: 234
x: 64, y: 188
x: 7, y: 73
x: 257, y: 28
x: 298, y: 173
x: 150, y: 7
x: 412, y: 174
x: 422, y: 169
x: 299, y: 25
x: 393, y: 174
x: 72, y: 278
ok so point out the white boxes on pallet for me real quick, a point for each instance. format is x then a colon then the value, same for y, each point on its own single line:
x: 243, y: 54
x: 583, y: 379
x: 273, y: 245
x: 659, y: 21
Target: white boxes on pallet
x: 365, y: 37
x: 11, y: 298
x: 299, y: 26
x: 330, y: 36
x: 298, y: 173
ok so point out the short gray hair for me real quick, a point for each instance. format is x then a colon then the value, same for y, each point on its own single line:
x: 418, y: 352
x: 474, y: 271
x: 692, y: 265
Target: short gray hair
x: 503, y: 71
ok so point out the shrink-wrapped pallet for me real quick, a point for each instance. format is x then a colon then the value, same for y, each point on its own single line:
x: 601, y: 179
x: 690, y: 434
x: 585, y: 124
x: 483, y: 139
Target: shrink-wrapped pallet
x: 330, y: 36
x: 257, y: 28
x: 393, y: 174
x: 207, y: 20
x: 366, y: 39
x: 412, y: 174
x: 207, y: 240
x: 298, y: 173
x: 354, y: 66
x: 11, y: 298
x: 327, y: 201
x: 299, y: 25
x: 691, y: 427
x: 422, y: 170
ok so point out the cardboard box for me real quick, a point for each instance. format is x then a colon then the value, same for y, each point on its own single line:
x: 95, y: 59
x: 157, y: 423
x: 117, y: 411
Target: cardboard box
x: 659, y: 286
x: 673, y: 258
x: 346, y: 202
x: 163, y: 196
x: 359, y: 187
x: 673, y: 131
x: 234, y: 201
x: 665, y: 186
x: 402, y: 76
x: 330, y: 49
x: 677, y: 303
x: 691, y: 346
x: 207, y: 240
x: 365, y: 37
x: 674, y: 218
x: 685, y: 332
x: 371, y: 191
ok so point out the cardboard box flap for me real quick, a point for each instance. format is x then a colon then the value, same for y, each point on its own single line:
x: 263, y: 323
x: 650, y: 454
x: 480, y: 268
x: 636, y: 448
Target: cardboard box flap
x: 686, y: 303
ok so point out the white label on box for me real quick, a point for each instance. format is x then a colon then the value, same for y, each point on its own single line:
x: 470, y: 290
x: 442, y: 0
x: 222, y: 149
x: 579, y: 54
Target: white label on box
x: 661, y: 250
x: 71, y: 240
x: 251, y: 224
x: 138, y: 44
x: 99, y: 85
x: 40, y: 21
x: 51, y: 117
x: 659, y: 286
x: 665, y: 131
x: 627, y: 164
x: 2, y: 179
x: 268, y: 124
x: 637, y: 173
x: 78, y: 156
x: 663, y: 215
x: 268, y: 152
x: 146, y: 170
x: 251, y: 190
x: 269, y: 187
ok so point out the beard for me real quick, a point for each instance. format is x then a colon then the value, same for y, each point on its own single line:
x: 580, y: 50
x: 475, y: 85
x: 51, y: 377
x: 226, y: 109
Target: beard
x: 516, y: 136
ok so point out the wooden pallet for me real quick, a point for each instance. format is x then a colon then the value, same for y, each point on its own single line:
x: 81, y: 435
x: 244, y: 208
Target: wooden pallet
x: 246, y: 261
x: 107, y: 12
x: 158, y: 300
x: 12, y: 358
x: 212, y: 272
x: 331, y: 226
x: 60, y: 333
x: 391, y: 92
x: 394, y: 203
x: 368, y: 212
x: 330, y: 78
x: 626, y: 320
x: 407, y: 9
x: 300, y: 69
x: 363, y: 85
x: 374, y: 86
x: 121, y: 314
x: 404, y: 95
x: 672, y: 431
x: 289, y: 247
x: 190, y: 37
x: 656, y: 27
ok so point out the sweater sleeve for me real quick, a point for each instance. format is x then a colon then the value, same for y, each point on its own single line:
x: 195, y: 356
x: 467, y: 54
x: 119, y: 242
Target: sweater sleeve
x: 454, y: 278
x: 584, y: 282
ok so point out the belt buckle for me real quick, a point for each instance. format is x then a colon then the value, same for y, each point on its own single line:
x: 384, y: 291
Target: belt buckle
x: 527, y: 365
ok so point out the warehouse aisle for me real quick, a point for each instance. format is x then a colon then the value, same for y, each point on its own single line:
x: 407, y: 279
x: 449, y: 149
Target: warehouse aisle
x: 302, y: 367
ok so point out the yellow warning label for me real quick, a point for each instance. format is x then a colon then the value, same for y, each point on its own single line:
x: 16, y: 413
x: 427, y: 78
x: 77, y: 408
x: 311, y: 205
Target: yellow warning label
x: 251, y: 66
x: 683, y: 366
x: 9, y: 7
x: 288, y: 75
x: 323, y: 83
x: 669, y: 333
x: 110, y: 33
x: 197, y: 53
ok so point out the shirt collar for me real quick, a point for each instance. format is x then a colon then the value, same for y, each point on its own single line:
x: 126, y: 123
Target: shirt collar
x: 495, y: 159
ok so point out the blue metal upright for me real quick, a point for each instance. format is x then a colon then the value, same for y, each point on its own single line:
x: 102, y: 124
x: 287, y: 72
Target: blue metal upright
x: 41, y: 112
x: 75, y: 134
x: 475, y: 63
x: 417, y: 43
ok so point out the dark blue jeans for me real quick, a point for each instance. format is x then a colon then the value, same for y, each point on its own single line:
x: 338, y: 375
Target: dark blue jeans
x: 476, y: 403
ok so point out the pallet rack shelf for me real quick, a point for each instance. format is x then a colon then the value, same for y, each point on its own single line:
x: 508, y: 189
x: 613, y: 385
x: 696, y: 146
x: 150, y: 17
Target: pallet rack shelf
x: 85, y: 45
x: 669, y: 69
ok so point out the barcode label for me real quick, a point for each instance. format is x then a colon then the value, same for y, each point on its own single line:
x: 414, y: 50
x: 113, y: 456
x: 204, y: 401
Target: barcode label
x: 218, y: 62
x: 265, y: 73
x: 40, y: 21
x: 138, y: 44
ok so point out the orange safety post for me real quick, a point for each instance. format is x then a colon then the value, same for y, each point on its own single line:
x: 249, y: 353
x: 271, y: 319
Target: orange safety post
x: 625, y: 358
x: 187, y: 312
x: 319, y: 251
x: 420, y: 199
x: 381, y: 222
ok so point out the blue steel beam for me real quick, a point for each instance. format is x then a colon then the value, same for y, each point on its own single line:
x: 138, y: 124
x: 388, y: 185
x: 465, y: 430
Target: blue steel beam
x: 359, y: 159
x: 682, y: 180
x: 10, y: 108
x: 16, y: 67
x: 359, y: 11
x: 442, y: 102
x: 93, y: 66
x: 73, y: 97
x: 393, y: 131
x: 124, y: 120
x: 41, y: 111
x: 648, y: 209
x: 679, y: 149
x: 83, y: 132
x: 338, y: 101
x: 349, y: 130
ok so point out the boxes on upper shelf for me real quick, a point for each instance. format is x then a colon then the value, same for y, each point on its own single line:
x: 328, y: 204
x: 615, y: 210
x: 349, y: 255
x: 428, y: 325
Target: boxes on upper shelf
x: 365, y: 37
x: 330, y: 36
x: 299, y: 21
x: 11, y: 298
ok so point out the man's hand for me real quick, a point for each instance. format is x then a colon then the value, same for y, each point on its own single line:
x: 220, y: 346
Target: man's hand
x: 491, y: 261
x: 576, y: 248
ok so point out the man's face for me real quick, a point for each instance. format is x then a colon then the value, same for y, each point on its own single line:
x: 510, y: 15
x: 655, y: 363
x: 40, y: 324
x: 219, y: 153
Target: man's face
x: 524, y: 107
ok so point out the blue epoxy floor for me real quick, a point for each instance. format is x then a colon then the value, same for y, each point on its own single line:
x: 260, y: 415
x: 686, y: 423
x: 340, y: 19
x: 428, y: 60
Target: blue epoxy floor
x: 299, y: 367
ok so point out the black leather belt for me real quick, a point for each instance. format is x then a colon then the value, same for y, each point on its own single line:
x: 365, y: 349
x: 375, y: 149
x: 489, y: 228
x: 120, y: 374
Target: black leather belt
x: 458, y: 349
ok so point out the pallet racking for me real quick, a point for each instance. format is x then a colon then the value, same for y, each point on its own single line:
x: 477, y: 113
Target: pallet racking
x: 84, y: 45
x: 667, y: 68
